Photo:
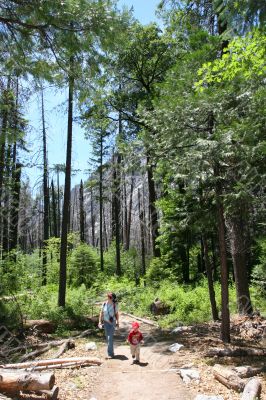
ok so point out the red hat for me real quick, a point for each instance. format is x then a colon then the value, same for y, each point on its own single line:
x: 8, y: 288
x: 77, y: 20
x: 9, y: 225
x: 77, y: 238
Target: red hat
x: 135, y: 325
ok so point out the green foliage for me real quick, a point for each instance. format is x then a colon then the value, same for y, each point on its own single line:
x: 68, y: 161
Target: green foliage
x: 244, y: 58
x: 159, y: 269
x: 259, y: 271
x: 130, y: 262
x: 41, y: 303
x: 83, y: 266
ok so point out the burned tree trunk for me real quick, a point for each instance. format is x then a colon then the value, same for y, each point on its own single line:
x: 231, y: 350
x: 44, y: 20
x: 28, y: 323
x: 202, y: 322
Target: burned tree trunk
x: 142, y: 238
x: 154, y: 220
x: 55, y: 232
x: 210, y: 279
x: 128, y: 225
x: 81, y: 213
x: 65, y: 221
x: 92, y: 220
x: 45, y: 198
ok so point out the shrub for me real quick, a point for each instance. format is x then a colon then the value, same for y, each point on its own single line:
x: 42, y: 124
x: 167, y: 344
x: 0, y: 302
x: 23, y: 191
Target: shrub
x: 158, y: 271
x: 259, y: 272
x: 83, y: 268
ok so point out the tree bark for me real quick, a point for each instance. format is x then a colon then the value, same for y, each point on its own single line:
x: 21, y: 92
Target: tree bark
x: 92, y: 220
x: 45, y: 198
x: 101, y: 201
x: 117, y: 209
x: 125, y: 227
x: 128, y: 225
x: 228, y: 378
x: 65, y: 221
x: 55, y: 232
x: 3, y: 137
x: 236, y: 352
x: 210, y: 279
x: 154, y: 220
x: 16, y: 183
x: 247, y: 371
x: 236, y: 229
x: 142, y: 238
x: 225, y: 325
x: 252, y: 390
x: 81, y: 213
x: 14, y: 381
x: 58, y: 204
x: 53, y: 361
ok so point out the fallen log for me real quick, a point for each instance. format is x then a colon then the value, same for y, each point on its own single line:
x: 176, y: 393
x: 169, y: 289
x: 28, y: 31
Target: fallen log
x: 145, y: 321
x: 54, y: 361
x: 11, y: 381
x: 159, y: 308
x: 69, y: 344
x: 228, y: 378
x: 252, y: 390
x: 247, y: 371
x: 41, y: 325
x: 35, y: 353
x: 23, y: 347
x: 65, y: 345
x: 62, y: 366
x: 84, y: 333
x: 237, y: 352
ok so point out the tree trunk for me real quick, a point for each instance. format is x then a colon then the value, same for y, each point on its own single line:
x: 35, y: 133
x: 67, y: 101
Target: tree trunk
x: 14, y: 381
x: 214, y: 260
x: 45, y: 198
x: 65, y: 221
x: 225, y: 325
x: 16, y: 183
x: 127, y: 242
x: 117, y: 210
x: 252, y: 390
x: 236, y: 352
x: 236, y: 230
x: 247, y: 371
x: 125, y: 227
x: 210, y: 279
x: 92, y: 221
x: 54, y: 361
x: 81, y: 213
x: 3, y: 137
x: 105, y: 232
x: 228, y: 378
x: 142, y: 238
x: 154, y: 222
x: 55, y: 232
x: 183, y: 254
x: 101, y: 202
x: 58, y: 205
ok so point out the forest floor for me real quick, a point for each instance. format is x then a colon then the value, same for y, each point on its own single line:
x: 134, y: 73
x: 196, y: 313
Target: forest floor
x: 157, y: 376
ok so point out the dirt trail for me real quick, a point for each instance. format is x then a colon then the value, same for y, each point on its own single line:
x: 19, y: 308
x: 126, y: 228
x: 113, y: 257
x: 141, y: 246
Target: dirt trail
x: 153, y: 379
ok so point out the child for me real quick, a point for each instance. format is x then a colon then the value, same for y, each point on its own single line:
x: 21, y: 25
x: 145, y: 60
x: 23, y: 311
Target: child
x: 135, y: 338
